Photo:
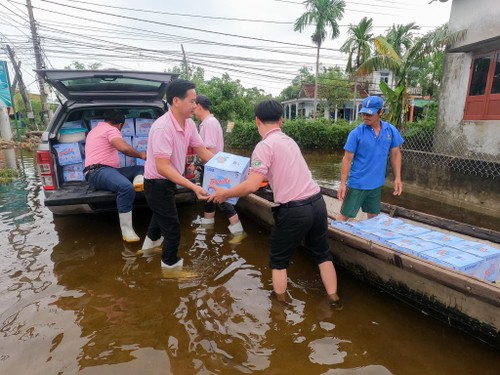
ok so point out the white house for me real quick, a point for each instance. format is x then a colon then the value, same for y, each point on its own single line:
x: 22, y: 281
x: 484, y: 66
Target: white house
x: 469, y: 107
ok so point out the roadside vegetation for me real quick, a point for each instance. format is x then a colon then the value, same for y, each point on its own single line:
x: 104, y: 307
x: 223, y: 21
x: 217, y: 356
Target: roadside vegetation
x: 7, y: 175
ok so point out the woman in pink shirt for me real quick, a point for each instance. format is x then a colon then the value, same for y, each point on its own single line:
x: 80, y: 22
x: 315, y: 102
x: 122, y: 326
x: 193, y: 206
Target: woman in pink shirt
x: 301, y: 214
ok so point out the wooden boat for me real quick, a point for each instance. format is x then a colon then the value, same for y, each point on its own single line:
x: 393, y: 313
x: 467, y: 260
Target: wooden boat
x: 467, y: 303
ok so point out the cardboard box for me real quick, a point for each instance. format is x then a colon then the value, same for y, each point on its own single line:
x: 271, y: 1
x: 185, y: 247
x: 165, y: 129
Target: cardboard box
x: 381, y: 221
x: 379, y: 234
x: 73, y: 172
x: 140, y: 143
x: 410, y: 229
x: 411, y: 245
x: 455, y: 259
x: 440, y: 238
x: 227, y: 171
x: 490, y: 255
x: 142, y: 126
x: 68, y: 153
x: 128, y: 129
x: 94, y: 122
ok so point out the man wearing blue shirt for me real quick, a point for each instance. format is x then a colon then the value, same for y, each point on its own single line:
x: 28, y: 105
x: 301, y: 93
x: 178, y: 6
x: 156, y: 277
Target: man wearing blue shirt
x: 365, y: 159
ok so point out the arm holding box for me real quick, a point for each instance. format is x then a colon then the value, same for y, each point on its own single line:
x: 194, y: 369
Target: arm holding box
x: 250, y: 185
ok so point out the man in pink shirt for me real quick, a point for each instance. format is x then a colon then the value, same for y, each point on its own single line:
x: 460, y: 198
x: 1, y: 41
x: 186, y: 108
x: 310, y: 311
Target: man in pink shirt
x: 102, y: 167
x: 211, y: 133
x: 169, y: 139
x: 301, y: 213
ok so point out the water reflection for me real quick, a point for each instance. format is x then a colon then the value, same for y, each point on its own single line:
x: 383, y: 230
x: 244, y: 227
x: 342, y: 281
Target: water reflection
x: 75, y: 299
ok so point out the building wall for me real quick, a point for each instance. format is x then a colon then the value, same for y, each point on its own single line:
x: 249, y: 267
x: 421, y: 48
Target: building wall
x: 478, y: 138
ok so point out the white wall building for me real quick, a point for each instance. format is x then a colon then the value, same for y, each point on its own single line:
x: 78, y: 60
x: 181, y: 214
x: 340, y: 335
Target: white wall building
x: 469, y: 107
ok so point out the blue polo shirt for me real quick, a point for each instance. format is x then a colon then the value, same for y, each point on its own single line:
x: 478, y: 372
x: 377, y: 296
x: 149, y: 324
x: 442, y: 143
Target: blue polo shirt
x: 370, y: 154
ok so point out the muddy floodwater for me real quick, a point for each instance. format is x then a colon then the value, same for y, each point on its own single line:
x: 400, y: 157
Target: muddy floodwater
x: 75, y: 299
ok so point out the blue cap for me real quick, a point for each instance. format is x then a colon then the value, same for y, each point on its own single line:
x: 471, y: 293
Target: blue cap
x: 371, y: 105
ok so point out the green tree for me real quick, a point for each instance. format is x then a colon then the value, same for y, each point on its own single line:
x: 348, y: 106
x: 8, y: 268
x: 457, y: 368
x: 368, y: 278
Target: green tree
x: 358, y: 49
x: 334, y: 87
x: 77, y: 65
x: 324, y: 14
x: 402, y: 61
x: 292, y: 91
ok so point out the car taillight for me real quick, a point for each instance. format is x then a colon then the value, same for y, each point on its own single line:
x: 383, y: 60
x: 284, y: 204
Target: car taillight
x: 44, y: 162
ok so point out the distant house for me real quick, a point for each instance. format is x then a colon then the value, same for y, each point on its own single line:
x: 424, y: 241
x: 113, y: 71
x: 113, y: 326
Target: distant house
x: 303, y: 106
x: 469, y: 106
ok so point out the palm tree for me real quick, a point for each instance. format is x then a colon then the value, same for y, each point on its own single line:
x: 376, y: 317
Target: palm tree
x: 387, y: 57
x: 324, y: 14
x: 358, y: 45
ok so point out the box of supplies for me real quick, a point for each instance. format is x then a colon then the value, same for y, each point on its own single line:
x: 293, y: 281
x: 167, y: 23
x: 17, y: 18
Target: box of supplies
x: 379, y: 234
x: 410, y: 230
x: 73, y: 172
x: 128, y: 128
x: 440, y: 238
x: 490, y: 256
x: 226, y: 171
x: 94, y: 122
x: 140, y: 143
x: 381, y: 221
x: 411, y: 245
x: 68, y: 153
x: 142, y: 126
x: 455, y: 259
x: 128, y: 140
x: 126, y: 161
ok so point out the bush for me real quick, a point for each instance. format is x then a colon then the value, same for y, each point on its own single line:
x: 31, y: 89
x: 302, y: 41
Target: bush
x: 309, y: 134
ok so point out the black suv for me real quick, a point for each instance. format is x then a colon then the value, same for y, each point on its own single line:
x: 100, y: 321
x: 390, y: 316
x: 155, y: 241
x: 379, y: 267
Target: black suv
x: 89, y: 93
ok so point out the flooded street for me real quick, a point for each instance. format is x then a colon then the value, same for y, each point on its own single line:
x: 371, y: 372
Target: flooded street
x: 75, y: 299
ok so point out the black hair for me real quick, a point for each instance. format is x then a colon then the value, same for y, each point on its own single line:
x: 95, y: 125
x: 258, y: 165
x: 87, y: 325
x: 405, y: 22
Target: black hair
x: 114, y: 117
x: 268, y: 111
x: 178, y: 88
x: 204, y: 102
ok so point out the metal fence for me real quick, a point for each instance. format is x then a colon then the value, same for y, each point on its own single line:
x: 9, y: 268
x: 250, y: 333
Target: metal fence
x: 428, y: 148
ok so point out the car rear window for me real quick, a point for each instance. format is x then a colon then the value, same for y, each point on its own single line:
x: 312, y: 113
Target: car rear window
x: 110, y: 84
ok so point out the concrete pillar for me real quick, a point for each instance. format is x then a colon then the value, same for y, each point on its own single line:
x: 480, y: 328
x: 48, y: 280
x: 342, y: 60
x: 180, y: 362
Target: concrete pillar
x: 5, y: 130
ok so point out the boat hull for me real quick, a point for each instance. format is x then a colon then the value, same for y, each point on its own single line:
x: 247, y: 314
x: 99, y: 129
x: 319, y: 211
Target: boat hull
x: 461, y: 301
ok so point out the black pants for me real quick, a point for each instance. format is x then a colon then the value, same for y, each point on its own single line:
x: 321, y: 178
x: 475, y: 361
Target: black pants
x: 160, y: 195
x: 297, y: 221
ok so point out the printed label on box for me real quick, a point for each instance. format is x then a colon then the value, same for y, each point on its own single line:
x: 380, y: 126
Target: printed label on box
x: 73, y: 172
x: 128, y: 129
x: 227, y: 171
x: 142, y: 126
x: 140, y: 143
x: 68, y: 153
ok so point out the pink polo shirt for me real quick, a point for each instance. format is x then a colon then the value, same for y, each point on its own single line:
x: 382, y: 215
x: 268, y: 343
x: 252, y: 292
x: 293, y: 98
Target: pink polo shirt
x: 168, y: 140
x: 279, y: 158
x: 211, y: 133
x: 98, y: 147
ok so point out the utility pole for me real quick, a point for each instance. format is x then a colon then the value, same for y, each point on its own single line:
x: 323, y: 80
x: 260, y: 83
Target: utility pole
x: 39, y: 64
x: 22, y: 87
x: 184, y: 61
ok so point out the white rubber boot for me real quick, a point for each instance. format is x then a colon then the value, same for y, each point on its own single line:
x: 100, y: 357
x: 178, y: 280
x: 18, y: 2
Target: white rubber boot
x: 138, y: 183
x: 237, y: 232
x: 179, y: 264
x: 236, y: 228
x: 208, y: 221
x: 150, y: 244
x: 128, y: 233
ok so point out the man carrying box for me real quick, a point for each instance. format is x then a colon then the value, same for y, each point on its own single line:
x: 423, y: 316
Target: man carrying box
x: 102, y: 167
x: 211, y: 133
x: 169, y: 139
x: 301, y: 213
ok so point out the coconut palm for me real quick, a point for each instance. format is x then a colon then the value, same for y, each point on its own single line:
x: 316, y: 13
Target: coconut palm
x: 324, y: 14
x: 358, y: 46
x: 400, y: 61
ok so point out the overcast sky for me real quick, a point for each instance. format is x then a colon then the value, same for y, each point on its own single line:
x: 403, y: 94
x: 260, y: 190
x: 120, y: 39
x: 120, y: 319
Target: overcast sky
x: 218, y: 35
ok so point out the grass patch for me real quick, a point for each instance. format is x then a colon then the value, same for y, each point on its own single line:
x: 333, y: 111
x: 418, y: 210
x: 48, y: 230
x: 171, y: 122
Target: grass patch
x: 7, y: 175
